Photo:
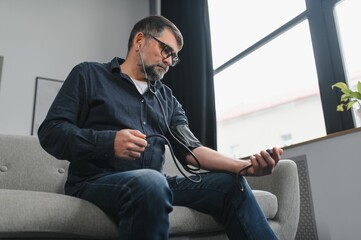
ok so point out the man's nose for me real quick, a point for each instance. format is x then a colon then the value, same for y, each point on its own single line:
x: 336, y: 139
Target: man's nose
x: 168, y: 61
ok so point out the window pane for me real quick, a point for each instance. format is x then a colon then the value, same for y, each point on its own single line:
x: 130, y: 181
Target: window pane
x: 348, y: 14
x: 235, y: 24
x: 271, y: 97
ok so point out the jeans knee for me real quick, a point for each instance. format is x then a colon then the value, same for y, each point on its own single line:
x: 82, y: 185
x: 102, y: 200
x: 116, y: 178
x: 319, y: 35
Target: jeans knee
x: 228, y: 182
x: 233, y: 185
x: 154, y: 186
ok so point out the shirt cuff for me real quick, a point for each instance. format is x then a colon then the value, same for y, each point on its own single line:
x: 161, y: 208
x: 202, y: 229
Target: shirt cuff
x: 105, y: 145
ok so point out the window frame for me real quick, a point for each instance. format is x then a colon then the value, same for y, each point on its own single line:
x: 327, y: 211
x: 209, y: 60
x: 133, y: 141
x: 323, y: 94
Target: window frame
x: 327, y: 54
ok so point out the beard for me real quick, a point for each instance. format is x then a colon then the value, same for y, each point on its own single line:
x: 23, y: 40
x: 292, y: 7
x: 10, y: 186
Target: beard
x: 155, y: 72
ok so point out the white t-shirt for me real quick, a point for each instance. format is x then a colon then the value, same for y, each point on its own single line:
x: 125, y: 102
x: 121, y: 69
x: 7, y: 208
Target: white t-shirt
x: 142, y: 86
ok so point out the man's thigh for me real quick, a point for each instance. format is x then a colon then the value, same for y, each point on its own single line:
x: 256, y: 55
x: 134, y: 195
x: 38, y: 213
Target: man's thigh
x: 119, y: 190
x: 206, y: 196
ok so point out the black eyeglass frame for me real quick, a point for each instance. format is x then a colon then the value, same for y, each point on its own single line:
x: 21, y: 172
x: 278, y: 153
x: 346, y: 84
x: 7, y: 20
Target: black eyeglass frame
x: 167, y: 51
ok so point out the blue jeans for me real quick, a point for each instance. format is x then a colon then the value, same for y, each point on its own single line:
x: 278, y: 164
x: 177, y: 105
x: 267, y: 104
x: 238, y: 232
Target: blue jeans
x: 140, y: 201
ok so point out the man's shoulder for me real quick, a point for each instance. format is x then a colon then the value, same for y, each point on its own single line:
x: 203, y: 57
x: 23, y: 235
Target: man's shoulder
x: 92, y: 70
x: 114, y: 63
x: 90, y: 64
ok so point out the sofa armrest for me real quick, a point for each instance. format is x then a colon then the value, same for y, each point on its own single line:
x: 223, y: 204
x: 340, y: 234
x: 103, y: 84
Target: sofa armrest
x: 284, y: 184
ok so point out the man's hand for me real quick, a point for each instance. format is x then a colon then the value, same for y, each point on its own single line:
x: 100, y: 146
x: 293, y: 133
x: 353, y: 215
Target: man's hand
x: 129, y: 144
x: 263, y: 163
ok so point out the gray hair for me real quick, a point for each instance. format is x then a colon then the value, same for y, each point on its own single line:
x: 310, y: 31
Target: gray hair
x: 155, y: 25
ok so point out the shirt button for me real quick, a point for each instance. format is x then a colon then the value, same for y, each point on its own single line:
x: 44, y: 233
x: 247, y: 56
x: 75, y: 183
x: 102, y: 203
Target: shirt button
x: 142, y: 101
x: 144, y: 123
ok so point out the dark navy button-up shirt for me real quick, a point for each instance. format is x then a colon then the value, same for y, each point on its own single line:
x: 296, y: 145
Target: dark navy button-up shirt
x: 95, y: 101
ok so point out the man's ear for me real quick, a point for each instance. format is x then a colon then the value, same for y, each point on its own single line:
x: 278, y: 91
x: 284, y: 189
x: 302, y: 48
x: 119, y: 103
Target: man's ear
x: 138, y: 41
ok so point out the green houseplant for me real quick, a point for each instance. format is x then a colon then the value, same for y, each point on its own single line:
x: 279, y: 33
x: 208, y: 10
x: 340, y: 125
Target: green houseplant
x: 349, y: 98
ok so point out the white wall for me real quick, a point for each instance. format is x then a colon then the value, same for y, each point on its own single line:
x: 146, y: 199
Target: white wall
x: 48, y: 37
x: 334, y: 168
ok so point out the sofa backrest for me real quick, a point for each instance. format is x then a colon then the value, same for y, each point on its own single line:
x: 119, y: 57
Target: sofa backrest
x: 25, y: 165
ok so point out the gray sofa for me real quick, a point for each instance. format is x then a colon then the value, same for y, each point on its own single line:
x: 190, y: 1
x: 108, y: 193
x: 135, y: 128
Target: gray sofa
x: 33, y: 206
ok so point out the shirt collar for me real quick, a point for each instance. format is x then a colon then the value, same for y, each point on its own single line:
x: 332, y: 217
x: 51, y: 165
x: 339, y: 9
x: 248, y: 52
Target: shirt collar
x: 114, y: 65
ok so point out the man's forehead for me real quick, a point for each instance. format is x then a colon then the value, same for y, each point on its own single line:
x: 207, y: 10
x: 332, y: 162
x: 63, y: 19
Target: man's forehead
x: 167, y: 36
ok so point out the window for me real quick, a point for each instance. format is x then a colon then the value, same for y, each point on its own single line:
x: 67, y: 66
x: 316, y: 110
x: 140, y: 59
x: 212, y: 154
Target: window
x: 348, y: 13
x: 270, y: 95
x: 236, y: 25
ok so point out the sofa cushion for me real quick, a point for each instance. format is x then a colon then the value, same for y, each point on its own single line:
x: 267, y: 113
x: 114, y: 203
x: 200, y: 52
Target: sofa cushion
x: 268, y: 203
x: 185, y: 220
x: 50, y: 214
x: 24, y: 165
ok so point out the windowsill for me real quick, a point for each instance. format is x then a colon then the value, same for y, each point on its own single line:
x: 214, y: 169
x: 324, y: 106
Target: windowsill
x: 329, y: 136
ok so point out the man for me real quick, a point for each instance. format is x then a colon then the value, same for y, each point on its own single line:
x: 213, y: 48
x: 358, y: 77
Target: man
x: 111, y: 121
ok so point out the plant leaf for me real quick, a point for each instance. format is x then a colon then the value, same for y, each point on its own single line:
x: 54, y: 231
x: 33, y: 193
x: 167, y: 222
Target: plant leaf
x: 359, y: 86
x: 344, y: 97
x: 340, y: 85
x: 349, y: 105
x: 358, y: 95
x: 347, y: 91
x: 340, y: 108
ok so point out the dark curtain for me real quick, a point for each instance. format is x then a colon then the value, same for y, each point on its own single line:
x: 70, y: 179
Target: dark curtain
x: 192, y: 79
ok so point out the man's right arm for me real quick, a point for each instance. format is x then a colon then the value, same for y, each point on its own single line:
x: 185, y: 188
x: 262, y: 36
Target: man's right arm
x: 62, y: 135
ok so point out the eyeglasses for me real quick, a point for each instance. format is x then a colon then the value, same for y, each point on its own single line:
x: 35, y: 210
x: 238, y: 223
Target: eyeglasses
x: 167, y: 51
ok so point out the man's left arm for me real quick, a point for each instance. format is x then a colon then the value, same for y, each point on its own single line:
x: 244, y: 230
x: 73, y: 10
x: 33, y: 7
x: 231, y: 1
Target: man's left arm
x: 262, y: 163
x: 209, y: 159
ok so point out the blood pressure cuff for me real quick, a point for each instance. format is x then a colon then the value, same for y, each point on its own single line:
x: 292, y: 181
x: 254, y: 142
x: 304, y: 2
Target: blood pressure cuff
x: 187, y: 138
